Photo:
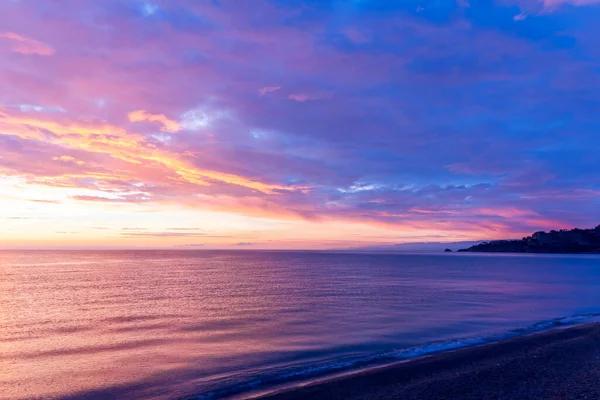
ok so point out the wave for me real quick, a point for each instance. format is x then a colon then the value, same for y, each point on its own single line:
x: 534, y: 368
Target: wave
x: 275, y: 381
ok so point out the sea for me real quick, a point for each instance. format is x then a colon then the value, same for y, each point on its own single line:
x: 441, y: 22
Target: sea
x: 237, y: 324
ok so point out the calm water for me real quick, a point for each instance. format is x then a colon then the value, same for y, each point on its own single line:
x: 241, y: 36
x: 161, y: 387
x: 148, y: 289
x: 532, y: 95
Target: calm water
x: 172, y: 324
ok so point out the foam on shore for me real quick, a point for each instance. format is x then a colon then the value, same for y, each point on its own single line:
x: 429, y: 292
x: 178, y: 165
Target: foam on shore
x: 276, y: 382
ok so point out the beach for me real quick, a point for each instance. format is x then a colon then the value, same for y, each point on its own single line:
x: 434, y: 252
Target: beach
x: 557, y: 364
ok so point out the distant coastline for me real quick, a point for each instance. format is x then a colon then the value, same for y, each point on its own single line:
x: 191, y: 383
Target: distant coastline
x: 574, y: 241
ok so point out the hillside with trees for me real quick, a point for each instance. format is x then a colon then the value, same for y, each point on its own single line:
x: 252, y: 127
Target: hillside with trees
x: 576, y: 241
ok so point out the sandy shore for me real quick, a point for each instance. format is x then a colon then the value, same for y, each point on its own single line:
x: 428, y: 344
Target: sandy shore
x: 560, y: 364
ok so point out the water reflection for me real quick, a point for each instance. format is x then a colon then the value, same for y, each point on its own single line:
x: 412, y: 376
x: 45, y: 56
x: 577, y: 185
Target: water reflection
x: 168, y: 324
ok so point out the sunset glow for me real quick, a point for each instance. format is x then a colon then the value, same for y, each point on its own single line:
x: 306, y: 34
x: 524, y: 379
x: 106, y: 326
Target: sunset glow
x: 295, y: 124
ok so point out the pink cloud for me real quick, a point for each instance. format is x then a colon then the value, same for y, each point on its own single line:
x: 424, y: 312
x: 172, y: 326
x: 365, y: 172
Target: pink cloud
x: 168, y: 124
x: 536, y: 6
x: 68, y: 159
x: 23, y: 45
x: 268, y: 89
x: 557, y: 3
x: 301, y: 97
x: 129, y: 199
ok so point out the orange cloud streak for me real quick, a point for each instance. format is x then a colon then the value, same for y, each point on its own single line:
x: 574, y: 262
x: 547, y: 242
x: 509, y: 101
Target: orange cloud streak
x: 126, y: 146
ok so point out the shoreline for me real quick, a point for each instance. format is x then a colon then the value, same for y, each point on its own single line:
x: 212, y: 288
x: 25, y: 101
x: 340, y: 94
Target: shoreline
x: 560, y: 363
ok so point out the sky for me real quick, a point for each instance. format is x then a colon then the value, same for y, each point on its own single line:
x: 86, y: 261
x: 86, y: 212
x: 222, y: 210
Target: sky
x: 297, y: 124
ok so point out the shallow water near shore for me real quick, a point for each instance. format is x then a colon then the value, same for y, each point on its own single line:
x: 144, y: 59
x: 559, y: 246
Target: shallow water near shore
x: 211, y: 324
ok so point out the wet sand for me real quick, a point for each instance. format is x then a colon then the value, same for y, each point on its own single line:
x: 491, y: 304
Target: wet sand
x: 560, y: 364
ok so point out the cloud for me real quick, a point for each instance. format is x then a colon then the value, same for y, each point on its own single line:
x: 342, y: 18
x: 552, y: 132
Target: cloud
x: 190, y: 245
x: 162, y: 234
x: 520, y: 17
x: 244, y: 244
x: 128, y: 147
x: 268, y: 89
x: 26, y: 218
x: 119, y: 199
x: 420, y: 136
x: 68, y: 159
x: 24, y: 45
x: 46, y: 201
x: 36, y: 108
x: 149, y: 9
x: 141, y: 115
x: 301, y: 97
x: 552, y: 4
x: 171, y: 235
